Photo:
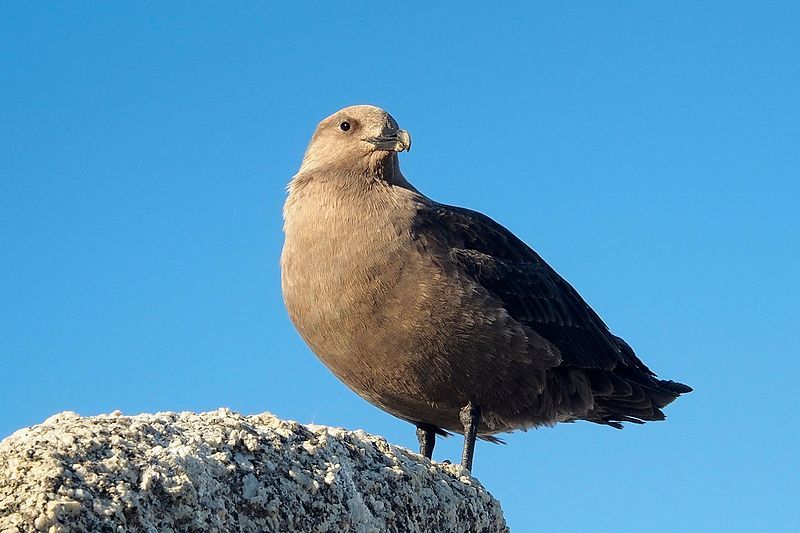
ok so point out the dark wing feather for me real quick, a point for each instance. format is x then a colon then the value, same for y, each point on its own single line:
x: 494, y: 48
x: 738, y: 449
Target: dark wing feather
x: 532, y: 292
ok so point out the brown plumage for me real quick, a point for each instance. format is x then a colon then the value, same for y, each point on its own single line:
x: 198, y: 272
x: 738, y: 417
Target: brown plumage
x: 438, y: 314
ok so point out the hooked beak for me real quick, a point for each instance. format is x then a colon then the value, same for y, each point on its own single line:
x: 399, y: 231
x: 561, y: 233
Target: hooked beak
x: 395, y: 142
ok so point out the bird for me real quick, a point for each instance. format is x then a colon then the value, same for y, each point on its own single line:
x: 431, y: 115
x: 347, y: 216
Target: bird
x: 437, y: 314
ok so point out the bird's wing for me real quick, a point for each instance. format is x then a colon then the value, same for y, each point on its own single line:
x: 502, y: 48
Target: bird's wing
x: 530, y: 290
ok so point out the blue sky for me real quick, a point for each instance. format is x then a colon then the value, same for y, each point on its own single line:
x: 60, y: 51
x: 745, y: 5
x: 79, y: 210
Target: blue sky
x: 649, y: 151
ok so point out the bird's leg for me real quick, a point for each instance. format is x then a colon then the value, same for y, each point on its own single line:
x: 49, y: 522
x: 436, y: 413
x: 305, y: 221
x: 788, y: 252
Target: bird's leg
x: 426, y: 435
x: 470, y: 418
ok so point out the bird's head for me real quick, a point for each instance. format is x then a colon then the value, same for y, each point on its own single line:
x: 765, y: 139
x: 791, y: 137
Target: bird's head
x: 353, y: 139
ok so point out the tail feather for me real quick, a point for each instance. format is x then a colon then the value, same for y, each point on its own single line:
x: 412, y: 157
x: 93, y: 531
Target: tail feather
x: 627, y: 394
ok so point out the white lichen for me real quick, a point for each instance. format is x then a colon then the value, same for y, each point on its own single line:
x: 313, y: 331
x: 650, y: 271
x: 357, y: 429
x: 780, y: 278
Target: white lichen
x: 221, y: 471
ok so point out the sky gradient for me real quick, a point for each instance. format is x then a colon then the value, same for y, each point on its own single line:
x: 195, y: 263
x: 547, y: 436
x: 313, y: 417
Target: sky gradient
x: 650, y: 152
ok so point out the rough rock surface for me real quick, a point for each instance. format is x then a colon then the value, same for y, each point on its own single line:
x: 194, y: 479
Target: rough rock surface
x: 221, y: 471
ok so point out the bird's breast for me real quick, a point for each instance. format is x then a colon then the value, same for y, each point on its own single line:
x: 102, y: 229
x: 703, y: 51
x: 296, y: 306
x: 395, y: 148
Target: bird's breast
x: 340, y: 266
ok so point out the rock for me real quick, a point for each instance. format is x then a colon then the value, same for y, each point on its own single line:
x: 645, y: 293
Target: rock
x: 222, y: 471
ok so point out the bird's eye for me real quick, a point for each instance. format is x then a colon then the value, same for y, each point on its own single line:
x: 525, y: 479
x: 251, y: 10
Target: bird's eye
x: 344, y: 126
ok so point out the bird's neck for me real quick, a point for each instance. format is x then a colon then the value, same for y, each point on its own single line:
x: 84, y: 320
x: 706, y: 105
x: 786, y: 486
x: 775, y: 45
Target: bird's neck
x: 350, y: 202
x: 387, y: 169
x: 377, y: 168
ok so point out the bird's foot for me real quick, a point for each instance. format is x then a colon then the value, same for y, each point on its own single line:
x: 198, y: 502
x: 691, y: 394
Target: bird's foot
x: 470, y: 416
x: 426, y: 436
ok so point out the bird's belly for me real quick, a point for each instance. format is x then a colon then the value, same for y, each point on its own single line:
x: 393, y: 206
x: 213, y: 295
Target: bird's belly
x: 413, y: 341
x: 358, y: 327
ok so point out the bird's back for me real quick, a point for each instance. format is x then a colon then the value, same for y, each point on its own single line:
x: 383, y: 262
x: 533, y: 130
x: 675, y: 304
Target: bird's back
x: 599, y: 377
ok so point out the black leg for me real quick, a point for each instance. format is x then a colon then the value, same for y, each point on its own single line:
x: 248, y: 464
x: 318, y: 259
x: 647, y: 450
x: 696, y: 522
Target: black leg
x: 426, y: 435
x: 470, y: 418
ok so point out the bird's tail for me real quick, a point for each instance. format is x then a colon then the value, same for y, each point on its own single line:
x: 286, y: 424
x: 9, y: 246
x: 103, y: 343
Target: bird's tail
x: 635, y: 393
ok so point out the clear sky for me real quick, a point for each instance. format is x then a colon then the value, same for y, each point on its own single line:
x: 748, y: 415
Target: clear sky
x: 649, y: 151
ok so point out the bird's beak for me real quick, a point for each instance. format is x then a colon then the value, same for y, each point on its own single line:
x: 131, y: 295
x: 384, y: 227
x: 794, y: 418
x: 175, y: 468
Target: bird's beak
x: 394, y: 142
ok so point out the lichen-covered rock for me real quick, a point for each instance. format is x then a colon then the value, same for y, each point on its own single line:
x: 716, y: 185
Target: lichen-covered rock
x: 221, y: 471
